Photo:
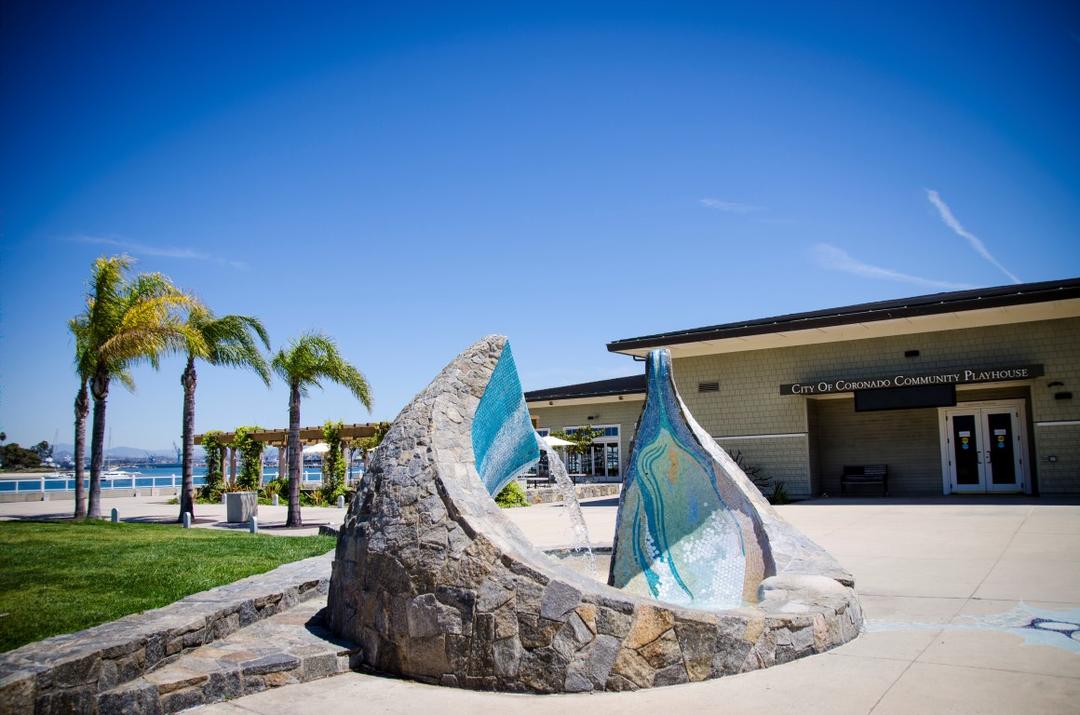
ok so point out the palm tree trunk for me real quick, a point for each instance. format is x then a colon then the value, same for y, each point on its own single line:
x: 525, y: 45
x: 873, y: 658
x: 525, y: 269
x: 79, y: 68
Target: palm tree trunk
x: 99, y: 387
x: 296, y: 457
x: 82, y: 409
x: 187, y: 482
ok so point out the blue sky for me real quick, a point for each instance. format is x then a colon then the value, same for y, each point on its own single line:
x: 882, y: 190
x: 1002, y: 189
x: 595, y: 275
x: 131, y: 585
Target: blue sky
x: 410, y: 177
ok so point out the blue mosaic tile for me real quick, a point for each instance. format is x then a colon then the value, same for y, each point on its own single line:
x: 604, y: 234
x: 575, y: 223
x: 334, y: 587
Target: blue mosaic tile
x: 503, y: 439
x: 675, y: 537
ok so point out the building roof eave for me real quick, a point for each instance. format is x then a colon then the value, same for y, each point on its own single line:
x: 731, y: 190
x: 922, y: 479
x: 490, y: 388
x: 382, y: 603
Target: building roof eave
x: 914, y: 307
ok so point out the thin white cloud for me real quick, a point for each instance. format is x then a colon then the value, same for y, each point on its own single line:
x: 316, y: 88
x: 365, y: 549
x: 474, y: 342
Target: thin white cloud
x: 976, y: 244
x: 733, y: 207
x: 834, y: 259
x: 143, y: 249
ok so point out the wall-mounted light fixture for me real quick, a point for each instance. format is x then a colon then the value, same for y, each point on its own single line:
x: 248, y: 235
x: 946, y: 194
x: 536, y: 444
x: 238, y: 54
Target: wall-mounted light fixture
x: 911, y: 353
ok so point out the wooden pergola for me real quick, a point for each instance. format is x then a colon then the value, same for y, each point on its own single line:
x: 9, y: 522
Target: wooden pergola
x: 279, y: 438
x: 308, y: 435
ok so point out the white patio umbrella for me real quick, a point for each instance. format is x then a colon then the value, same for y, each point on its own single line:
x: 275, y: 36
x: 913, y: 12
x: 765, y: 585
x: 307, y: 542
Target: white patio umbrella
x: 319, y: 448
x: 557, y: 442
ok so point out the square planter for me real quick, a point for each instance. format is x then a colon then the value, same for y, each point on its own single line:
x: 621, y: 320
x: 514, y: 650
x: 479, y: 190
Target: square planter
x: 241, y: 506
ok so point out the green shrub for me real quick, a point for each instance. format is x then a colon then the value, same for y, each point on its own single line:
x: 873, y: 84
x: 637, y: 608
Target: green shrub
x: 333, y: 464
x: 251, y: 453
x: 761, y: 481
x: 779, y: 494
x: 511, y: 496
x: 214, y: 449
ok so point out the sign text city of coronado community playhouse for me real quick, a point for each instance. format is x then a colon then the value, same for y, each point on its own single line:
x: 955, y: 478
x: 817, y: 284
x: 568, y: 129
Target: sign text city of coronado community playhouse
x: 945, y: 377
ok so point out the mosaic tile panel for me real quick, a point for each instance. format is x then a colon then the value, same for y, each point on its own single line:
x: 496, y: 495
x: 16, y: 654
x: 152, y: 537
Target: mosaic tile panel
x: 503, y: 438
x: 676, y: 538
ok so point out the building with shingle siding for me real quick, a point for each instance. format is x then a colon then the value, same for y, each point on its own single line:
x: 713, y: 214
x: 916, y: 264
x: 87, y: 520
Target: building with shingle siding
x: 962, y: 392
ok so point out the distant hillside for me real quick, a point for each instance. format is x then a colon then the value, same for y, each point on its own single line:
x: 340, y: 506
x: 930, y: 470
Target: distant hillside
x: 62, y: 448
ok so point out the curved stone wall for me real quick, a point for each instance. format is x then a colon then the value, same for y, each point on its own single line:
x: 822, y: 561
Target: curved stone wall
x: 434, y: 583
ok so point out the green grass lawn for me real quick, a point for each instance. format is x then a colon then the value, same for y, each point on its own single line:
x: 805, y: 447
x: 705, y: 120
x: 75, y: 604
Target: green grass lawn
x: 59, y: 577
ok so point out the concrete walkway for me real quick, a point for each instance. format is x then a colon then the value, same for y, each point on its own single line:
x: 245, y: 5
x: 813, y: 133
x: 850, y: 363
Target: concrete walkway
x: 158, y: 509
x: 947, y: 586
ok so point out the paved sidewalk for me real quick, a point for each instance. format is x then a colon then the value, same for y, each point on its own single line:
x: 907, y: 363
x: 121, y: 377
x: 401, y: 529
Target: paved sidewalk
x: 546, y: 524
x: 158, y: 509
x: 947, y: 587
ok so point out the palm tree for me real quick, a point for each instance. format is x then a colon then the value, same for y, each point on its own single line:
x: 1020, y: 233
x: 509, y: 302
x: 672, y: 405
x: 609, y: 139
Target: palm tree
x: 306, y: 362
x: 127, y: 322
x: 85, y: 367
x: 229, y: 340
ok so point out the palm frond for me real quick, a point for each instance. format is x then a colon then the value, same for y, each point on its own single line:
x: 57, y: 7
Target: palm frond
x: 131, y: 320
x: 313, y: 358
x: 231, y: 341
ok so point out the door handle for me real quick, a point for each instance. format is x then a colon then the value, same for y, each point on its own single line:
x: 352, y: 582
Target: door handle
x: 988, y: 460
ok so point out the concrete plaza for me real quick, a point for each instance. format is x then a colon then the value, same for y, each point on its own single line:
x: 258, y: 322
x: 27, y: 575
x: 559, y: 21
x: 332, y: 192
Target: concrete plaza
x: 941, y: 581
x: 946, y: 585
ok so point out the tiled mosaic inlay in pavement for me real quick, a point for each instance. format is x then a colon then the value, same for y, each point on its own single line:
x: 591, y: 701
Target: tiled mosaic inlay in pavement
x: 1037, y: 626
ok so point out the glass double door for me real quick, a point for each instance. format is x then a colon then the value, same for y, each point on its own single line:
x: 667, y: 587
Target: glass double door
x: 985, y: 449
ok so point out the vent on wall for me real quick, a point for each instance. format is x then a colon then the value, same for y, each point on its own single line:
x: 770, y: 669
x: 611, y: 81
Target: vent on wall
x: 708, y: 387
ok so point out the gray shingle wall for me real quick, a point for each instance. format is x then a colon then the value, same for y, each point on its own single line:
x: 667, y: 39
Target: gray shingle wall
x: 749, y: 402
x: 1062, y: 442
x: 781, y: 459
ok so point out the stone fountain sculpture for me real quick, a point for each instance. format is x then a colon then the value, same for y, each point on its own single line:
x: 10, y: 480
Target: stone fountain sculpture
x: 434, y: 583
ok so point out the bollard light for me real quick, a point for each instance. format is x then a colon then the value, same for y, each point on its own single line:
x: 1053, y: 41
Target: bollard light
x: 115, y: 515
x: 274, y: 500
x: 187, y: 519
x: 341, y: 502
x: 253, y: 525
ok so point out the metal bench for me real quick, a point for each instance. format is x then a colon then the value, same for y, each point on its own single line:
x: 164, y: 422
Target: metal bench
x: 865, y: 474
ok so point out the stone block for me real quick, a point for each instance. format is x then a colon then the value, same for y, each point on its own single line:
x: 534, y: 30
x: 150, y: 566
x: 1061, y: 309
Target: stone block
x: 650, y: 622
x: 543, y: 670
x: 507, y: 657
x: 182, y: 700
x: 319, y: 666
x: 134, y: 699
x: 270, y: 664
x: 663, y: 651
x: 223, y: 685
x: 633, y: 667
x: 241, y: 506
x: 427, y: 656
x: 612, y: 622
x: 559, y: 599
x: 591, y: 666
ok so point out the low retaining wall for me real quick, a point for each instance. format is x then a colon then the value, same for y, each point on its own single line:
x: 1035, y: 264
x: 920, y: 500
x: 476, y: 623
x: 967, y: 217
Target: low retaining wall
x: 549, y: 495
x: 69, y: 673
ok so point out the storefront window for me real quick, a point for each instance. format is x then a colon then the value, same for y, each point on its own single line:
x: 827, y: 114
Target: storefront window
x: 602, y: 460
